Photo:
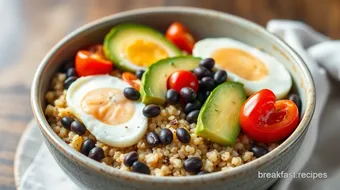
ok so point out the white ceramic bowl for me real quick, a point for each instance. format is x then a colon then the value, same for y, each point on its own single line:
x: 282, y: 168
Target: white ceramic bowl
x: 203, y: 23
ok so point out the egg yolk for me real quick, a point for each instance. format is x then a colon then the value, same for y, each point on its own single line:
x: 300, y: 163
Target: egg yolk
x: 144, y: 53
x: 240, y: 63
x: 108, y: 105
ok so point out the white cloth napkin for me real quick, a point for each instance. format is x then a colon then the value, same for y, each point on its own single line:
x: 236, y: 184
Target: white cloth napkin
x: 302, y: 38
x: 321, y: 56
x: 45, y: 174
x: 316, y: 48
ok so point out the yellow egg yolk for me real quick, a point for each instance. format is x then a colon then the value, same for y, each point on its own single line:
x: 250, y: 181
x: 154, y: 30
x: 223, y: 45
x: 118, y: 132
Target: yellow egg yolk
x: 240, y: 63
x: 108, y: 105
x: 144, y: 53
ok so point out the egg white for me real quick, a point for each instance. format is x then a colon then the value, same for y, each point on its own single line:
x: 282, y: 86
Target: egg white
x: 278, y: 79
x: 120, y: 135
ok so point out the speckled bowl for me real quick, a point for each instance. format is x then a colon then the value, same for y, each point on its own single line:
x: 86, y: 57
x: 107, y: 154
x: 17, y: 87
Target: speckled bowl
x: 89, y: 174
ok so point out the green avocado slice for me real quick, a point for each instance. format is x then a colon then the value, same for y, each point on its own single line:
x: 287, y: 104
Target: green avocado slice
x: 154, y: 80
x: 218, y: 120
x: 121, y: 35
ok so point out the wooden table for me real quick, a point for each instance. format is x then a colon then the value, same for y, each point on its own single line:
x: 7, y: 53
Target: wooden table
x: 30, y: 28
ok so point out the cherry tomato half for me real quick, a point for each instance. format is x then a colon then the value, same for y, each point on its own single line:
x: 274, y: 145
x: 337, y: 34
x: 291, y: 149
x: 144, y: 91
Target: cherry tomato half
x: 132, y: 80
x: 266, y: 120
x: 92, y: 62
x: 180, y: 36
x: 181, y: 79
x: 97, y: 49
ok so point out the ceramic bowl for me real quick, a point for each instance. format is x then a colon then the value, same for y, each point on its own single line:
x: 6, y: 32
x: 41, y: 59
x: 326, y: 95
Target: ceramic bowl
x: 89, y: 174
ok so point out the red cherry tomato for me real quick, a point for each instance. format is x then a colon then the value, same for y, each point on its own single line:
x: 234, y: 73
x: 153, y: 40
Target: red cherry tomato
x: 180, y: 36
x: 97, y: 49
x: 180, y: 79
x: 92, y: 62
x: 266, y: 120
x: 131, y: 79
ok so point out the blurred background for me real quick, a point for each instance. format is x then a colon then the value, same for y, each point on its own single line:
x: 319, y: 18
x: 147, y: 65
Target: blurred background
x: 29, y: 28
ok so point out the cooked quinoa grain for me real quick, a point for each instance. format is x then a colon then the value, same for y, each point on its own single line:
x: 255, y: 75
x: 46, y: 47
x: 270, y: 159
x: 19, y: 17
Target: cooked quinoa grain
x: 163, y: 160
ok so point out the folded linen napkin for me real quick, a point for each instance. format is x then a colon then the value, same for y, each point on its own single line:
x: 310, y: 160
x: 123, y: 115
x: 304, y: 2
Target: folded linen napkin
x: 322, y: 57
x: 318, y: 51
x: 301, y: 37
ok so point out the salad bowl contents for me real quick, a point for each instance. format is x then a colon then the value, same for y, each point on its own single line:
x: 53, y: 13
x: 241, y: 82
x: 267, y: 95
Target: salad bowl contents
x: 151, y: 107
x: 145, y: 100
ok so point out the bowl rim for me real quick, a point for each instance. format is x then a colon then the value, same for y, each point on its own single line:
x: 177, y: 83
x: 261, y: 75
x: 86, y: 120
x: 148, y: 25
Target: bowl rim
x: 72, y: 154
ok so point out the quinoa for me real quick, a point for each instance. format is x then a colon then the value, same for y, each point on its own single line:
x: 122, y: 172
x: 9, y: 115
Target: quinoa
x: 162, y: 160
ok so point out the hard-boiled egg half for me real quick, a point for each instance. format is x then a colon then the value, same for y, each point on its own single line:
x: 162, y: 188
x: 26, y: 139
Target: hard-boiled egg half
x: 134, y: 47
x: 98, y: 101
x: 254, y: 68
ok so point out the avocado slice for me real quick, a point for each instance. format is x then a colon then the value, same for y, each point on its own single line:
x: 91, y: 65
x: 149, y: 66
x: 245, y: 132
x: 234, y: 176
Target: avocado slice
x: 218, y: 120
x: 154, y: 80
x: 116, y: 41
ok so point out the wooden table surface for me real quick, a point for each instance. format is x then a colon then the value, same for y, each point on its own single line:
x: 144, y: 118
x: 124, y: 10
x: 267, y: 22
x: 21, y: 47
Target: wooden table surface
x: 30, y: 28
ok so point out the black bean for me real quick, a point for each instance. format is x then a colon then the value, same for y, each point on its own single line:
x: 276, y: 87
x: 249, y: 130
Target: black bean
x: 207, y: 94
x: 220, y: 76
x: 130, y: 158
x: 67, y: 64
x: 152, y: 139
x: 191, y: 106
x: 188, y: 94
x: 139, y: 73
x: 211, y: 74
x: 193, y: 165
x: 131, y: 93
x: 78, y: 127
x: 140, y: 167
x: 192, y: 116
x: 259, y: 150
x: 96, y: 153
x: 183, y: 135
x: 201, y: 97
x: 201, y: 72
x: 208, y: 63
x: 69, y: 81
x: 87, y: 146
x: 66, y: 122
x: 296, y: 99
x: 200, y: 84
x: 172, y: 97
x: 71, y: 72
x: 166, y: 136
x: 207, y: 83
x: 202, y: 172
x: 151, y: 110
